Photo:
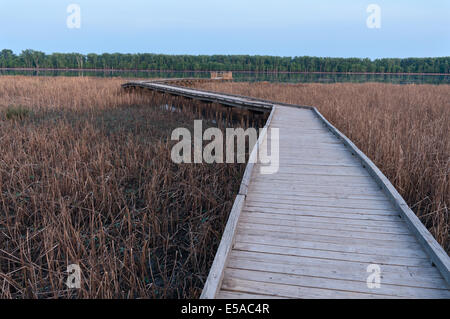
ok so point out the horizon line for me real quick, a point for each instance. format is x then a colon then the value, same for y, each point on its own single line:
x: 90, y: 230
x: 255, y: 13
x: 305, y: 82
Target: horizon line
x: 208, y: 71
x: 237, y: 54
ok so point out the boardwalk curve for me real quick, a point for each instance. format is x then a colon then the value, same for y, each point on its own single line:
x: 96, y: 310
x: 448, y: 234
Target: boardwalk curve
x: 323, y: 224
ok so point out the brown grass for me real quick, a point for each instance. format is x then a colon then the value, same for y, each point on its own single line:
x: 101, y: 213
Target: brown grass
x: 404, y: 129
x: 86, y: 178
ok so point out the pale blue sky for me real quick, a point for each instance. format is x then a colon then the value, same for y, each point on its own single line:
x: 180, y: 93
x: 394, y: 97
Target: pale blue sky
x: 335, y: 28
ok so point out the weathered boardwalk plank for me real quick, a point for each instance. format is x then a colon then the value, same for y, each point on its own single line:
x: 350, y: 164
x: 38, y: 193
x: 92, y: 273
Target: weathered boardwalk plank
x: 312, y: 229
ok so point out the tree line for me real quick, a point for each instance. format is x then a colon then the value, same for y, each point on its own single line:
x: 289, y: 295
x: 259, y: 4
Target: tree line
x: 148, y: 61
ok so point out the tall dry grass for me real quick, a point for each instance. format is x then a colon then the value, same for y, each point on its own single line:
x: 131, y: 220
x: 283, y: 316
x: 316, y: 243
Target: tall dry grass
x: 86, y: 178
x: 404, y: 129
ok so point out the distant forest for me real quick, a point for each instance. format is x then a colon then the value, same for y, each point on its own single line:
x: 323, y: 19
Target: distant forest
x: 146, y: 61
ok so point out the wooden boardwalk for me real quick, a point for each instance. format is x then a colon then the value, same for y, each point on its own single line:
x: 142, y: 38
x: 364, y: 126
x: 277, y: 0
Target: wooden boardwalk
x: 319, y: 226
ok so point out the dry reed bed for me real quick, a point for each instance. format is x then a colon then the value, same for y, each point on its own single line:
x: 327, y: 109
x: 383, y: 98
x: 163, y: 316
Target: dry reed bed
x: 404, y: 129
x: 86, y: 178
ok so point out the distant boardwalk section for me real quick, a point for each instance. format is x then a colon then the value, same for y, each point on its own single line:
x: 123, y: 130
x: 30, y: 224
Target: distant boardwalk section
x: 222, y: 75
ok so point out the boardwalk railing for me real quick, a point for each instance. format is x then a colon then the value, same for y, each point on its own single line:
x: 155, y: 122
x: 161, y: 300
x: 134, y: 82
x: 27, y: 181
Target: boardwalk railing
x: 383, y: 207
